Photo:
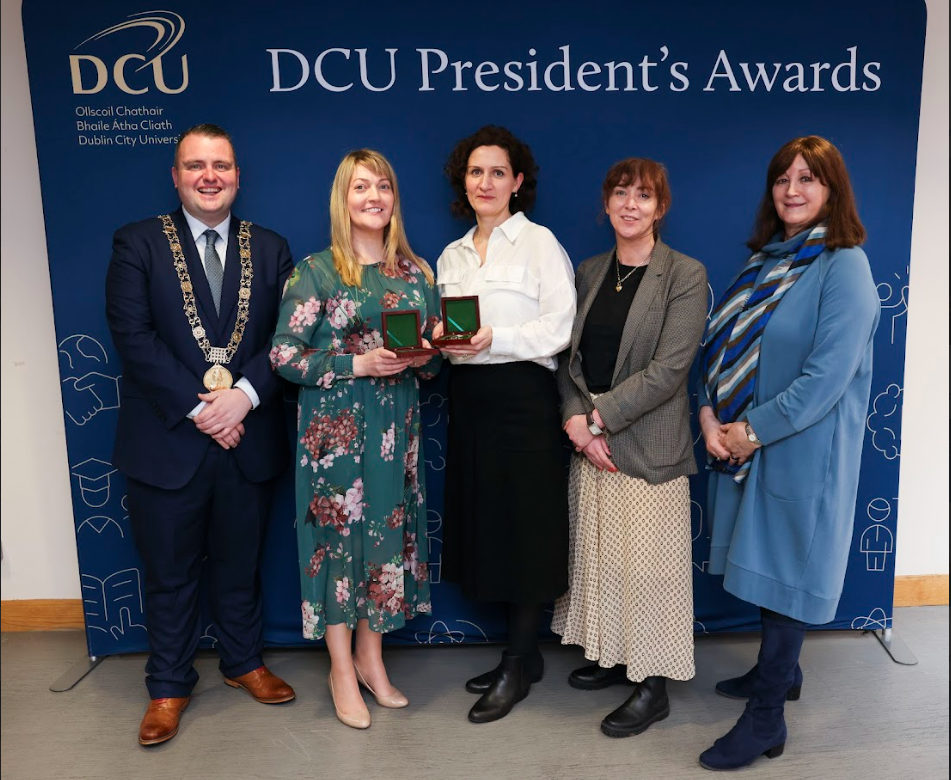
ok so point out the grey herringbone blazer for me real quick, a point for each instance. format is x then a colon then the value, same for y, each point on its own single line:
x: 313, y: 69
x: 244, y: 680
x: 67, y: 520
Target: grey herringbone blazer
x: 647, y: 411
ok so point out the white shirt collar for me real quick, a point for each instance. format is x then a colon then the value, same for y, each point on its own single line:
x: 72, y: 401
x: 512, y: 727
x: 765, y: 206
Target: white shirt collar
x: 197, y: 227
x: 510, y: 229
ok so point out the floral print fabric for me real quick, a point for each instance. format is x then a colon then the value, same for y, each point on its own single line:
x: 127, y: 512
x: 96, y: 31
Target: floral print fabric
x: 360, y: 491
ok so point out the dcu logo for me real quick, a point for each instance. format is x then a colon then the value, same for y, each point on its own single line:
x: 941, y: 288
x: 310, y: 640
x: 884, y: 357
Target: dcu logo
x: 91, y: 74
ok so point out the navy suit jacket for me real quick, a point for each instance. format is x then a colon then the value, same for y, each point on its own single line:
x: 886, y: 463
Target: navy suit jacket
x: 156, y: 443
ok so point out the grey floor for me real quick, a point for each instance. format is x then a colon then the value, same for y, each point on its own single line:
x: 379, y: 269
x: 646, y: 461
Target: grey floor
x: 861, y: 716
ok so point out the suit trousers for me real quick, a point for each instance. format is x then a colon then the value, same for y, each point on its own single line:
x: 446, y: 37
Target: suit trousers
x: 217, y: 523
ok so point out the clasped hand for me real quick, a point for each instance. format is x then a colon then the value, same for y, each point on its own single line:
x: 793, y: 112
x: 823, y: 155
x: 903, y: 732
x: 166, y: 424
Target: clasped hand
x: 223, y: 416
x: 726, y: 441
x: 595, y: 448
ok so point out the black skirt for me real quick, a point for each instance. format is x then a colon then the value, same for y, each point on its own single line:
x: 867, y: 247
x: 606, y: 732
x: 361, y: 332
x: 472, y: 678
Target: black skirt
x: 505, y: 532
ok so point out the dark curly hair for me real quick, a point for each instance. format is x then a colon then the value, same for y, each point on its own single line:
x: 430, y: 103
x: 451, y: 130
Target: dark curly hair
x: 520, y: 157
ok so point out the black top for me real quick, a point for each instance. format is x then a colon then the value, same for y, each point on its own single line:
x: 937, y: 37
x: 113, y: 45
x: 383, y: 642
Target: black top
x: 604, y: 325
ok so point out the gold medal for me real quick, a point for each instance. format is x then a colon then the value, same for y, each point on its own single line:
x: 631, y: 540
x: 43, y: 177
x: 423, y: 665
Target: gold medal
x: 217, y: 378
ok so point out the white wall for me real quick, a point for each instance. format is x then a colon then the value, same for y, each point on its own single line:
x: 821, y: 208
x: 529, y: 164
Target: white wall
x: 39, y: 545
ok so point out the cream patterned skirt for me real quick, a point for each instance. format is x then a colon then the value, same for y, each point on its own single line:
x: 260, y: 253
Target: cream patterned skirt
x: 630, y: 596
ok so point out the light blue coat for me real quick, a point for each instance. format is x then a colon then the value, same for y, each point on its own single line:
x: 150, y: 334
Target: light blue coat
x: 782, y: 539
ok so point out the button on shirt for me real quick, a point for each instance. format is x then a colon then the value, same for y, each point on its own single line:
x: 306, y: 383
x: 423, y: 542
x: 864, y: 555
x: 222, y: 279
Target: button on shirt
x: 197, y: 228
x: 526, y: 291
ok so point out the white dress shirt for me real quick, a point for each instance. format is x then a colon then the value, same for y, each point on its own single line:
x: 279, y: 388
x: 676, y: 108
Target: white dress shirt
x: 526, y: 291
x: 198, y: 228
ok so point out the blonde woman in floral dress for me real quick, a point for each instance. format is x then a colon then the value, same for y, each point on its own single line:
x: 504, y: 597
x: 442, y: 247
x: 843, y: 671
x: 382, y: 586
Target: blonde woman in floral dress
x: 361, y: 505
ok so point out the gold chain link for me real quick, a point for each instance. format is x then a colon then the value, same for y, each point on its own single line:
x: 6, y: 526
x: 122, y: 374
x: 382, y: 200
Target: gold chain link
x: 225, y: 355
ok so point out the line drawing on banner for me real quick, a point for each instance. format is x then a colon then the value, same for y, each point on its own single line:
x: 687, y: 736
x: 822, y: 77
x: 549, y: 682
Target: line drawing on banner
x: 884, y: 406
x: 433, y: 527
x: 99, y: 523
x: 696, y: 530
x: 87, y: 390
x: 877, y: 541
x: 873, y: 621
x: 436, y: 404
x: 429, y: 448
x: 885, y: 295
x: 95, y: 481
x: 207, y: 634
x: 114, y: 605
x: 702, y: 628
x: 446, y: 635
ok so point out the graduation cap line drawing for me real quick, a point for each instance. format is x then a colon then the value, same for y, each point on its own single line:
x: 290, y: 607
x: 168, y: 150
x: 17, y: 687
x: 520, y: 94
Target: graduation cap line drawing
x: 95, y: 481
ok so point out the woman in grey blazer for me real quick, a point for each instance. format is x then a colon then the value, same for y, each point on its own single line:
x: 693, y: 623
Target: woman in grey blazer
x: 623, y: 381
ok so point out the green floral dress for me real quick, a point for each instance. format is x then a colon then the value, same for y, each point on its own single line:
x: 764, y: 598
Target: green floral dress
x: 360, y: 486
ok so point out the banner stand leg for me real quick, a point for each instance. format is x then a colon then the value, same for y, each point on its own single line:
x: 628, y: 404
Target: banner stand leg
x: 894, y: 646
x: 77, y: 672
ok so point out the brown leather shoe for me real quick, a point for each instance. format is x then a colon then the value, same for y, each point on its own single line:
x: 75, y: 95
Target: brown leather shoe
x: 263, y: 686
x: 160, y: 723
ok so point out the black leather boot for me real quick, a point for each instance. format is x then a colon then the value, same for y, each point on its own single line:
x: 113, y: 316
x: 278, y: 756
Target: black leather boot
x: 594, y: 677
x: 647, y: 705
x: 535, y: 665
x: 510, y: 686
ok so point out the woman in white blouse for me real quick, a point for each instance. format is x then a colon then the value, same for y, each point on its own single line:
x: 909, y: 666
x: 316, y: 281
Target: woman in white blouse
x: 506, y: 521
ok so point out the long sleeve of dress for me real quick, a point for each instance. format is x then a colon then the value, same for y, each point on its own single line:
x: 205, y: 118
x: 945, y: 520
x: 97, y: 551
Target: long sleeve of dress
x: 301, y: 313
x: 848, y: 315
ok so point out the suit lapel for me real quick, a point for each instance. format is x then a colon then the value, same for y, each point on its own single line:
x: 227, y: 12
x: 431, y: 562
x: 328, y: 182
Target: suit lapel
x: 232, y: 278
x: 646, y: 292
x: 206, y: 304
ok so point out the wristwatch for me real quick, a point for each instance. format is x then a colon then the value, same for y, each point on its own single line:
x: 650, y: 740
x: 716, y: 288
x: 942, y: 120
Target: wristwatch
x: 596, y: 430
x: 751, y: 435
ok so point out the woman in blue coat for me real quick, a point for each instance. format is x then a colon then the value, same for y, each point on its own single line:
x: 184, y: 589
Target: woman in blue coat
x: 787, y: 374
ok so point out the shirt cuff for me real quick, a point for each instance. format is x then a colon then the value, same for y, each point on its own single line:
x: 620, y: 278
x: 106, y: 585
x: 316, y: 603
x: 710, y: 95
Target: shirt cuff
x: 503, y: 341
x: 244, y: 385
x: 196, y: 411
x: 343, y: 366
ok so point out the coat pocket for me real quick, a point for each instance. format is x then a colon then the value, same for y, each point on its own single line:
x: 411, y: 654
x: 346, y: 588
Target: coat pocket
x: 797, y: 467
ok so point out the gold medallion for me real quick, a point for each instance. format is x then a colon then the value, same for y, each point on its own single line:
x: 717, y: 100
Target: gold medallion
x: 217, y: 378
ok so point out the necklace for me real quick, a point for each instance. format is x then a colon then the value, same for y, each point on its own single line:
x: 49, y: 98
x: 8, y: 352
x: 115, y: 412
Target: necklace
x: 217, y: 377
x: 620, y: 281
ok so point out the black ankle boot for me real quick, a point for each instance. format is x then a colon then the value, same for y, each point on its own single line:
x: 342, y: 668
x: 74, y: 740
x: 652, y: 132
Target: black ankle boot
x: 510, y: 686
x: 647, y: 705
x: 535, y: 665
x: 594, y: 677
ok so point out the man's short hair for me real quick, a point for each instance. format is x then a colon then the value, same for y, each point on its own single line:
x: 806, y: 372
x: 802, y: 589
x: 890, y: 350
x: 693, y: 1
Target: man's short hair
x: 209, y: 131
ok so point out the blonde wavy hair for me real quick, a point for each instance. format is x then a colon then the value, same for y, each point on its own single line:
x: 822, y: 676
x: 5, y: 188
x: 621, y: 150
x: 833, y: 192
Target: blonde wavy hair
x: 395, y: 243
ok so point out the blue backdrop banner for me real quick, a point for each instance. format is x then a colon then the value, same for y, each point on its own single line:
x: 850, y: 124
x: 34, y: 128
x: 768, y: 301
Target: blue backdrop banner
x: 710, y: 89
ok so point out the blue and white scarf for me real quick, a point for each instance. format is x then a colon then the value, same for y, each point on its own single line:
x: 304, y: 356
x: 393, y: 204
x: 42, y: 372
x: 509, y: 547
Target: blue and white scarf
x: 735, y: 332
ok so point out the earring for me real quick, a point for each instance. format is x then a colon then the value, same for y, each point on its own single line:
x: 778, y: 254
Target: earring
x: 515, y: 194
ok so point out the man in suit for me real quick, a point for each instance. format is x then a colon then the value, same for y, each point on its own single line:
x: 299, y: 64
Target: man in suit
x: 191, y: 300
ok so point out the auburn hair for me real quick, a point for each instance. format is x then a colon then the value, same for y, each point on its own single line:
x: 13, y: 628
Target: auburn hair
x: 652, y: 175
x: 844, y: 229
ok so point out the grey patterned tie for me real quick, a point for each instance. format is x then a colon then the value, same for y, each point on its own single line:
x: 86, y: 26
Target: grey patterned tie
x: 213, y: 268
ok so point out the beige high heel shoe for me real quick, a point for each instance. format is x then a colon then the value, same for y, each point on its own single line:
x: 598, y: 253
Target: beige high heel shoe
x: 394, y: 701
x: 361, y: 720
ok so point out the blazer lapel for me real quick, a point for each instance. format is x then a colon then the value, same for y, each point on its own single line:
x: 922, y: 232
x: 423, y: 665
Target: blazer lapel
x: 232, y: 278
x: 206, y: 304
x: 646, y: 292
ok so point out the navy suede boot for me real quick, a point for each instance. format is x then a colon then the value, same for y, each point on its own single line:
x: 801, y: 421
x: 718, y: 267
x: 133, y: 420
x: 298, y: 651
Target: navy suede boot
x: 761, y: 729
x: 742, y: 687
